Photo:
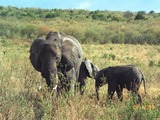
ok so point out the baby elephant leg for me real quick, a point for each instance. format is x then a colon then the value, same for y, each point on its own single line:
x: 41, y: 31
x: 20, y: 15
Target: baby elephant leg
x: 139, y: 101
x: 111, y: 90
x: 136, y: 97
x: 119, y: 91
x: 82, y: 87
x: 97, y: 93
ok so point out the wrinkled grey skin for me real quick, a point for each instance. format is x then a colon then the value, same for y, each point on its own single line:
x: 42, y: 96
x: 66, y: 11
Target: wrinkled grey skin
x: 119, y: 77
x: 87, y: 69
x: 58, y: 58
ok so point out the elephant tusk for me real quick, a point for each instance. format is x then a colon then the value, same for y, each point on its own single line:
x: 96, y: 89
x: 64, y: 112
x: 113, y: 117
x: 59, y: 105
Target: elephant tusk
x: 40, y: 87
x: 55, y: 87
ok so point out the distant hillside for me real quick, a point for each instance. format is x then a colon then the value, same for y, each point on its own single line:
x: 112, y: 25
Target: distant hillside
x: 75, y: 14
x: 87, y: 26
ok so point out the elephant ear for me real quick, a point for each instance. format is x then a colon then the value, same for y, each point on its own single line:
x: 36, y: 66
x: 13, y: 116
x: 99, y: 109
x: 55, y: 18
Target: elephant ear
x: 95, y: 69
x: 35, y: 45
x: 90, y: 67
x: 34, y: 52
x: 72, y: 53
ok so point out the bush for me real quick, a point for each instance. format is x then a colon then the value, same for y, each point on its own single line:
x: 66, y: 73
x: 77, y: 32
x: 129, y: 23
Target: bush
x: 118, y: 38
x: 29, y: 31
x: 98, y: 27
x: 109, y: 56
x: 151, y: 63
x: 140, y: 15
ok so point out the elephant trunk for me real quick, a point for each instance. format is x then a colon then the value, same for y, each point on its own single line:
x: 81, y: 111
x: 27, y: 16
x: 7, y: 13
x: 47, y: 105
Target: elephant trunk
x: 53, y: 77
x: 54, y: 81
x: 49, y: 72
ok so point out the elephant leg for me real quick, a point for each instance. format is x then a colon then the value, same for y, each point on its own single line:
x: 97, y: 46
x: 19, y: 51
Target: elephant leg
x: 139, y: 101
x: 71, y: 78
x: 119, y: 91
x: 82, y: 87
x: 72, y: 86
x: 111, y: 90
x: 110, y: 94
x: 136, y: 97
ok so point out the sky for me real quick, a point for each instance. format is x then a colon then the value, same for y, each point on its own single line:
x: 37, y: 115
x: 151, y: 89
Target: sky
x: 111, y: 5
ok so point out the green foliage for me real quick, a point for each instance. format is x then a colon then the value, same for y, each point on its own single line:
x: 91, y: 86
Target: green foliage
x: 21, y: 99
x: 109, y: 56
x: 158, y: 63
x: 128, y: 14
x: 87, y: 26
x: 151, y: 12
x: 29, y: 31
x: 140, y: 15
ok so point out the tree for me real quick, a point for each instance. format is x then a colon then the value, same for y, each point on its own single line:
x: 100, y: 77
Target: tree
x: 128, y: 15
x: 151, y: 12
x: 140, y: 15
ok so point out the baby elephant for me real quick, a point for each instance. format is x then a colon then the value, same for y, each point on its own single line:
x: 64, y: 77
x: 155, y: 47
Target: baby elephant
x: 119, y: 77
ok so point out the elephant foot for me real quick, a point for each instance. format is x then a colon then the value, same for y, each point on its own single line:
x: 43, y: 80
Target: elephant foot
x: 139, y: 100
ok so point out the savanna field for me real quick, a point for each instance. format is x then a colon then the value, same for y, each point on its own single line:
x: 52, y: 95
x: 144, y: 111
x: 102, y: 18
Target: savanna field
x: 20, y: 98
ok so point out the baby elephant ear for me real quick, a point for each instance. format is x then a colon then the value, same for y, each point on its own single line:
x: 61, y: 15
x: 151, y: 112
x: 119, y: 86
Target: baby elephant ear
x: 95, y: 69
x: 88, y: 64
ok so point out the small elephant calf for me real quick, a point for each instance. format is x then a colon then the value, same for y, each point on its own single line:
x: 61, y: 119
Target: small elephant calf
x: 119, y: 77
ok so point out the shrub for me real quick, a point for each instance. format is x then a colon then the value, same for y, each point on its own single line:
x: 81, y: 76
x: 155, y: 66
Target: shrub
x: 151, y: 63
x: 158, y: 63
x: 118, y: 38
x: 109, y: 56
x: 29, y: 31
x: 43, y: 30
x: 140, y: 15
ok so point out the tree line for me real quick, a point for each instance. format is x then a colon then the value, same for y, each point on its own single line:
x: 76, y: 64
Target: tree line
x: 75, y: 14
x: 87, y: 26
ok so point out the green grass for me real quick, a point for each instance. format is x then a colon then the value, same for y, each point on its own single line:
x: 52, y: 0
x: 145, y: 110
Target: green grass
x: 21, y: 100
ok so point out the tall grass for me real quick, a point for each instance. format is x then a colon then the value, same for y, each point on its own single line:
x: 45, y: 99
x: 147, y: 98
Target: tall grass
x: 20, y: 98
x: 87, y: 31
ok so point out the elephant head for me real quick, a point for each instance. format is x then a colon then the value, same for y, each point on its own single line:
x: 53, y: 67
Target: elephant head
x: 87, y: 69
x: 57, y: 58
x: 53, y: 36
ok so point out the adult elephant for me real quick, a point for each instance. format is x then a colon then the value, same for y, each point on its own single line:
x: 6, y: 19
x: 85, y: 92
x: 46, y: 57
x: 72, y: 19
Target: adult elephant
x: 58, y: 58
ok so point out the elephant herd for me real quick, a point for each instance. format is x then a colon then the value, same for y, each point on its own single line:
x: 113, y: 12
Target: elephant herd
x: 60, y: 60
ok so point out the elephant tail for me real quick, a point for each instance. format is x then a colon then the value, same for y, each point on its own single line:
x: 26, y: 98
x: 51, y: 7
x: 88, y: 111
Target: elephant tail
x: 144, y: 83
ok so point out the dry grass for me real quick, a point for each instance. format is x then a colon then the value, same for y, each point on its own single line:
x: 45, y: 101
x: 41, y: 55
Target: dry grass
x: 20, y: 99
